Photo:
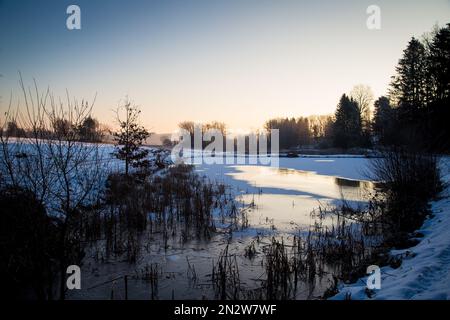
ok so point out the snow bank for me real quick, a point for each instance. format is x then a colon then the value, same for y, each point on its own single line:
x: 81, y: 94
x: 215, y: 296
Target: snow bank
x: 425, y: 270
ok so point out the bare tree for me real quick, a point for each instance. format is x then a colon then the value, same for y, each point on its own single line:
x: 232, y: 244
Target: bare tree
x: 189, y: 126
x: 363, y: 96
x: 216, y: 125
x: 64, y: 174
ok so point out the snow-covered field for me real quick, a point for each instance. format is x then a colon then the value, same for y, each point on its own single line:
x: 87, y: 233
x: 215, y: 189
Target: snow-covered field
x: 425, y: 269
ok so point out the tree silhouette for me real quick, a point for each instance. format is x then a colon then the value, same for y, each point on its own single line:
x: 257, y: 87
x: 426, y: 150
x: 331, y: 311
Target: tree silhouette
x: 384, y: 121
x: 130, y: 137
x: 89, y: 130
x: 439, y: 60
x: 420, y: 91
x: 363, y: 96
x: 408, y: 86
x: 347, y: 126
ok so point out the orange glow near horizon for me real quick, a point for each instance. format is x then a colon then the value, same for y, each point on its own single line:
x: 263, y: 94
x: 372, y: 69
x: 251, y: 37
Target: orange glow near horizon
x: 229, y: 61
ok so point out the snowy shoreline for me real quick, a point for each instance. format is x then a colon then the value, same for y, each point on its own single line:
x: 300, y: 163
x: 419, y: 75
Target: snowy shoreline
x: 425, y: 269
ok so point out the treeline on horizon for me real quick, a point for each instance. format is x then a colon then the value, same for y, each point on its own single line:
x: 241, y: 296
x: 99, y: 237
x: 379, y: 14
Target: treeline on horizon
x: 89, y: 131
x: 413, y: 113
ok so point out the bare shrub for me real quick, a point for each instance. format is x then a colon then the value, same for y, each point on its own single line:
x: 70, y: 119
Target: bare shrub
x: 63, y: 173
x: 408, y: 181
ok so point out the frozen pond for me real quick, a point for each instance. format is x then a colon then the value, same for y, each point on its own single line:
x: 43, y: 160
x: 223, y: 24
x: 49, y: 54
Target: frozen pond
x: 283, y: 200
x: 285, y: 196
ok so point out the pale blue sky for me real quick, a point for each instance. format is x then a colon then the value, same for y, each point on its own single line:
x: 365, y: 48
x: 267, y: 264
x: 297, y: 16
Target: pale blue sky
x: 237, y: 61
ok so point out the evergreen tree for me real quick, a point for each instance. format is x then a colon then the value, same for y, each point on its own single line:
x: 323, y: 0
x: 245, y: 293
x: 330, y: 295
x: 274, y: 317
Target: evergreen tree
x: 439, y: 63
x: 421, y: 90
x: 347, y: 128
x: 383, y: 121
x: 436, y: 130
x: 409, y: 86
x: 130, y: 137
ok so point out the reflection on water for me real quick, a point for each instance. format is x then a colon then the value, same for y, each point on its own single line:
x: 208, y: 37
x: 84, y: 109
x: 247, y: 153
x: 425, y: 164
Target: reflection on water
x: 347, y: 183
x: 361, y: 184
x: 281, y: 212
x: 286, y: 197
x: 290, y: 181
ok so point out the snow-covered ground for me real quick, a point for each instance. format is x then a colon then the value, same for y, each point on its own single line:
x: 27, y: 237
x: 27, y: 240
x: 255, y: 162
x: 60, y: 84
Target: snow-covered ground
x: 425, y: 269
